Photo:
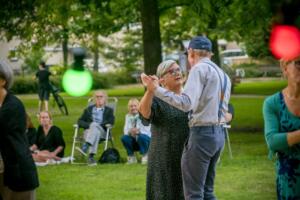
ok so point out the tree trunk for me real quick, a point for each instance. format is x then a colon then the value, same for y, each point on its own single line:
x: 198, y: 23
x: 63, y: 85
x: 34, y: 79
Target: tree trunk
x: 96, y: 57
x: 215, y: 49
x: 65, y: 48
x: 151, y: 35
x: 96, y: 53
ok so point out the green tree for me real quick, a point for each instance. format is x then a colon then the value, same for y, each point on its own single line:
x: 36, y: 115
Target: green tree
x: 100, y: 19
x: 54, y: 23
x: 95, y: 20
x: 128, y: 52
x: 178, y: 24
x: 38, y: 22
x: 251, y: 22
x: 32, y: 58
x: 14, y: 17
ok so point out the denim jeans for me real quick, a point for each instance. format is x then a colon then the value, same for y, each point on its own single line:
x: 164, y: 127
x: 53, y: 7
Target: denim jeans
x: 198, y: 162
x: 131, y: 144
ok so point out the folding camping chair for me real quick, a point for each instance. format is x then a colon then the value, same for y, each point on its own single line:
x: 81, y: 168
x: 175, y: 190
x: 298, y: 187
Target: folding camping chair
x: 228, y: 126
x: 77, y: 155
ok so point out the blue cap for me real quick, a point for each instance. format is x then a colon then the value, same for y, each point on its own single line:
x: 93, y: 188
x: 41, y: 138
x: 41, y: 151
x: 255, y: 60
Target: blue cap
x: 200, y: 42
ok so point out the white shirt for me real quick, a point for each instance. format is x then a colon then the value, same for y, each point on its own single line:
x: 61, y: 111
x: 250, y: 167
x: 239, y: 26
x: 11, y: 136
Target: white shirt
x: 201, y: 94
x: 132, y: 121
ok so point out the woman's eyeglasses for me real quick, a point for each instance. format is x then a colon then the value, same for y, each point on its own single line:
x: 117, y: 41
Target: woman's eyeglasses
x: 297, y: 64
x: 173, y: 72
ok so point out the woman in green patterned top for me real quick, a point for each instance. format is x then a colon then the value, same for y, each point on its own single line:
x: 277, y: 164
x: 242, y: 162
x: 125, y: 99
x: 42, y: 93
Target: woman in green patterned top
x: 282, y: 131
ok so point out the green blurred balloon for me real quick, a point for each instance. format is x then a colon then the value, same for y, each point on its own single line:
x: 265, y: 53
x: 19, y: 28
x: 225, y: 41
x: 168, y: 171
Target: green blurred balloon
x: 77, y: 83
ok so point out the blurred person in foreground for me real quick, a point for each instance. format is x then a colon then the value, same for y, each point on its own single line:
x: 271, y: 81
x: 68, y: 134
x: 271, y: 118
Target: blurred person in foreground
x: 19, y: 179
x: 136, y: 136
x: 206, y: 95
x: 282, y: 131
x: 169, y: 129
x: 49, y: 144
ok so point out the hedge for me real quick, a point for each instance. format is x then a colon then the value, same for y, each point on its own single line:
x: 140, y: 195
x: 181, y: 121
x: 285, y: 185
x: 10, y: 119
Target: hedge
x: 28, y: 84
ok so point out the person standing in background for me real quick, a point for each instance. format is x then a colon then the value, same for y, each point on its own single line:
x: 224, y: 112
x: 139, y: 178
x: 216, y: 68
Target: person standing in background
x: 282, y: 131
x: 44, y: 86
x: 20, y: 178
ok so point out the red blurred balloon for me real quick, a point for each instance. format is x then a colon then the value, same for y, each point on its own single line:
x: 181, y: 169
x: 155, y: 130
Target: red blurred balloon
x: 285, y: 42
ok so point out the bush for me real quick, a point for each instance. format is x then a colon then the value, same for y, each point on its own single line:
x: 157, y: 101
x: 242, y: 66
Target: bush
x: 57, y: 69
x: 253, y: 70
x: 27, y: 84
x: 123, y: 76
x: 57, y: 82
x: 23, y: 85
x: 102, y: 81
x: 110, y: 79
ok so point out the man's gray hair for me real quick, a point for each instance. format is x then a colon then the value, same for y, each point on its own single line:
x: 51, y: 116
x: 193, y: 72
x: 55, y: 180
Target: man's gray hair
x: 104, y: 94
x: 163, y: 67
x: 6, y: 74
x: 203, y: 52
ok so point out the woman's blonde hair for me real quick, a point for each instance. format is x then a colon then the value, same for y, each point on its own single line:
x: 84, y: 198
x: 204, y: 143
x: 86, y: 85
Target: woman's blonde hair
x: 48, y: 113
x: 29, y: 123
x: 131, y: 101
x: 284, y: 62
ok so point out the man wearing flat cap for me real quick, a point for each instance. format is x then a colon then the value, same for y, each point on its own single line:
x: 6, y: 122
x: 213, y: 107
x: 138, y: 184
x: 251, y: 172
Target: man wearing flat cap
x: 206, y: 95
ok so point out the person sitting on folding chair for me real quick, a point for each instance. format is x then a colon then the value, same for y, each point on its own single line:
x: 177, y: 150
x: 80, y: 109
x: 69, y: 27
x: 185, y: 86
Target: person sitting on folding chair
x: 94, y: 120
x: 136, y: 136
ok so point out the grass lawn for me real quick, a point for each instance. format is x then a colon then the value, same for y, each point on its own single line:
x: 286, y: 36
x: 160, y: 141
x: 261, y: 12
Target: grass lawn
x: 260, y: 88
x: 249, y: 175
x: 248, y: 113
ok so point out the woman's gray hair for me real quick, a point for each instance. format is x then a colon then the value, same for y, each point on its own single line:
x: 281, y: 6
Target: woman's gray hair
x: 163, y: 67
x: 6, y: 74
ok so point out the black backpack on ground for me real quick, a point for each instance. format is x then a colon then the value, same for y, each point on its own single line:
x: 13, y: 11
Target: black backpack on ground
x: 110, y: 155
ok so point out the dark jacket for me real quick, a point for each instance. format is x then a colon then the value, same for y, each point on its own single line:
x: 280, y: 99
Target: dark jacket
x: 86, y: 118
x: 43, y: 77
x: 31, y: 136
x: 20, y: 173
x: 51, y: 141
